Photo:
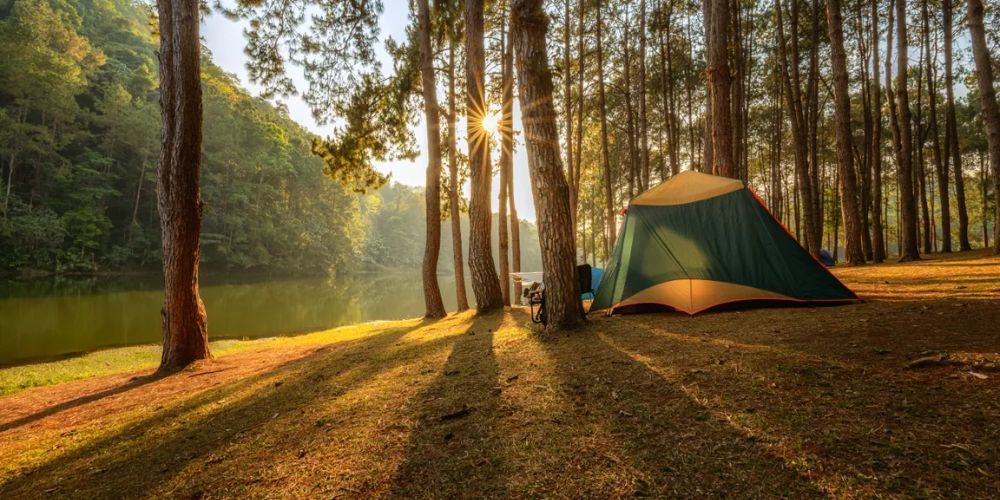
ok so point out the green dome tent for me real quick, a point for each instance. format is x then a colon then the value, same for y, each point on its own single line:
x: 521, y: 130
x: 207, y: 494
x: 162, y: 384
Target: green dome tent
x: 698, y: 241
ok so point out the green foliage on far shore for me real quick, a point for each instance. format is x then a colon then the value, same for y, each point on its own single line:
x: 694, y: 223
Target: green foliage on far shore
x: 79, y: 146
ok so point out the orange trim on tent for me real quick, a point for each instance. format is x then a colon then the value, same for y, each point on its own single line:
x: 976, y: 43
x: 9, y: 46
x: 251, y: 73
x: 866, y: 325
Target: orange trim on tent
x: 611, y: 310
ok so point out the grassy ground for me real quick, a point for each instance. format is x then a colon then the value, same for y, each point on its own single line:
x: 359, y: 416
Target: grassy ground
x: 800, y: 402
x: 147, y: 357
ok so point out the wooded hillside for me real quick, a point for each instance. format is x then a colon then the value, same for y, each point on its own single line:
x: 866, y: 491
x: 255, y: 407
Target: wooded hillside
x: 79, y: 143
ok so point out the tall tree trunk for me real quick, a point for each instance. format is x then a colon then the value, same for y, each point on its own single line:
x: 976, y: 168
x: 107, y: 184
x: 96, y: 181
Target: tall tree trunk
x: 951, y: 145
x: 503, y: 245
x: 574, y: 180
x: 939, y: 167
x: 719, y: 86
x: 890, y: 96
x: 178, y: 193
x: 878, y: 238
x: 990, y: 109
x: 548, y: 185
x: 138, y: 194
x: 707, y: 146
x: 634, y: 174
x: 454, y: 210
x: 485, y: 283
x: 983, y: 178
x: 506, y: 83
x: 669, y: 109
x: 738, y: 89
x: 908, y: 207
x: 674, y: 130
x: 812, y: 121
x: 507, y: 143
x: 920, y: 165
x: 433, y: 305
x: 845, y: 144
x: 864, y: 156
x: 805, y: 205
x: 775, y: 200
x: 568, y: 109
x: 643, y: 120
x: 515, y: 223
x: 689, y: 89
x: 507, y: 127
x: 609, y: 198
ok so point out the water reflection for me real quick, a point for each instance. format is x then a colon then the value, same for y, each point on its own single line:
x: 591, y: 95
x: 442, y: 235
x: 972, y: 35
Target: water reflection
x: 46, y: 318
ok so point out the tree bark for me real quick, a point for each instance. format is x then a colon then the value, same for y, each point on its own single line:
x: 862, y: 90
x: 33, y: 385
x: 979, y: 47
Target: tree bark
x: 634, y: 176
x: 507, y: 143
x: 433, y: 305
x: 810, y: 235
x: 904, y: 160
x: 812, y: 122
x: 574, y: 180
x: 506, y: 160
x: 982, y: 195
x: 738, y: 89
x: 568, y: 109
x: 643, y: 119
x: 920, y: 165
x: 939, y: 167
x: 548, y: 185
x: 515, y: 223
x: 990, y: 108
x: 952, y: 149
x: 485, y: 283
x: 775, y: 199
x: 461, y: 296
x: 878, y: 238
x: 719, y: 86
x: 609, y: 199
x: 707, y: 163
x: 890, y: 97
x: 669, y: 116
x: 865, y: 44
x: 845, y: 145
x: 138, y: 195
x: 178, y: 194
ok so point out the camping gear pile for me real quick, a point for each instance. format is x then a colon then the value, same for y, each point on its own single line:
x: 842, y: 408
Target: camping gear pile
x: 533, y: 294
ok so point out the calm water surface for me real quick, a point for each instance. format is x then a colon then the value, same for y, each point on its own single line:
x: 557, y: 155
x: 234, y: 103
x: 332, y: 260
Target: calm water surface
x: 41, y: 319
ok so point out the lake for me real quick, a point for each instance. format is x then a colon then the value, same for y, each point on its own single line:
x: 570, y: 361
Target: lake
x: 47, y: 318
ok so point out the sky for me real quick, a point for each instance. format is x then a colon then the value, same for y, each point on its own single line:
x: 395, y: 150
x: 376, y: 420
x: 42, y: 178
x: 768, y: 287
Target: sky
x: 225, y: 39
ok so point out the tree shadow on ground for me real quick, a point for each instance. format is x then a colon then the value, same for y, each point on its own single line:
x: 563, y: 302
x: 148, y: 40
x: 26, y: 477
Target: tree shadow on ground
x: 143, y: 457
x: 852, y: 428
x: 454, y: 449
x: 80, y: 401
x: 669, y: 443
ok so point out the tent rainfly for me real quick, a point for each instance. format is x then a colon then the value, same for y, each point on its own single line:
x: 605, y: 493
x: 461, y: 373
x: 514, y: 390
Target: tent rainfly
x: 698, y: 241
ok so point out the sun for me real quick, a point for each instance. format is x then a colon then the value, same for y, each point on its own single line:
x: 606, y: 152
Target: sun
x: 491, y: 121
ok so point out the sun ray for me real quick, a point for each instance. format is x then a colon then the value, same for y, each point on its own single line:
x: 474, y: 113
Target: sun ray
x: 491, y: 121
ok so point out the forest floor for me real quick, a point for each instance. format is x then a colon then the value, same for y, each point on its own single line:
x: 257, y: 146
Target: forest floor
x: 895, y: 396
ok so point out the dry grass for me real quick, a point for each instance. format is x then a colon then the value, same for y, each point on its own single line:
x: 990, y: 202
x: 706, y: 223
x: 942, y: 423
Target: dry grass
x: 800, y: 402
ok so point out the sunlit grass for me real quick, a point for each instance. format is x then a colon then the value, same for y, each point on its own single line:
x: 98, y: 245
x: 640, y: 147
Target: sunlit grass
x: 145, y: 357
